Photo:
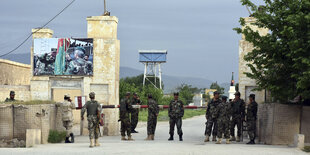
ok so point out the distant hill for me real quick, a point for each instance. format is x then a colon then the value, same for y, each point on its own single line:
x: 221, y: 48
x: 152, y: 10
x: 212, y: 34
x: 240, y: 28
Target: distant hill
x: 170, y: 82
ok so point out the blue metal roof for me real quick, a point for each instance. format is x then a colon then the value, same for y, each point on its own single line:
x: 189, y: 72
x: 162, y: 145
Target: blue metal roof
x: 153, y: 55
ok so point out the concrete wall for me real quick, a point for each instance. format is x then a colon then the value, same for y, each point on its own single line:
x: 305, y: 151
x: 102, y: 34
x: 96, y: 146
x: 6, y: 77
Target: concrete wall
x: 14, y: 73
x: 21, y: 92
x: 278, y: 123
x: 245, y: 47
x: 15, y: 120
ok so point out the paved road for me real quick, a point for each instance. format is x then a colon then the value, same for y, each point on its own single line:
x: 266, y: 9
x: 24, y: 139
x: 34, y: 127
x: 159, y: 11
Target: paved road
x: 193, y: 144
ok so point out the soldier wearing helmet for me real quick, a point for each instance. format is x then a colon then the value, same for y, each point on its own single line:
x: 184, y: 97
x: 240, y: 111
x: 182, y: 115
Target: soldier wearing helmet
x: 93, y: 116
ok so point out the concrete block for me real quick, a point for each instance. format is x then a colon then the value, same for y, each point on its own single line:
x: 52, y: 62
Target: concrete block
x: 299, y: 141
x: 33, y: 137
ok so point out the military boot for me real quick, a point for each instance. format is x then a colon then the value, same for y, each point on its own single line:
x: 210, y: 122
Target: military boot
x: 238, y: 139
x: 149, y: 137
x: 233, y: 138
x: 152, y: 137
x: 180, y: 137
x: 219, y: 141
x: 251, y: 142
x: 170, y: 138
x: 213, y: 138
x: 67, y: 140
x: 72, y: 137
x: 97, y: 142
x: 207, y: 138
x: 129, y: 138
x: 123, y: 138
x: 91, y: 143
x: 227, y: 141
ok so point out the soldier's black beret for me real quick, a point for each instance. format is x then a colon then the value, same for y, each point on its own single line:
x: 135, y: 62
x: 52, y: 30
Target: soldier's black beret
x: 224, y: 97
x: 216, y: 92
x: 252, y: 95
x: 176, y: 94
x: 12, y: 92
x: 237, y: 93
x: 150, y: 96
x: 128, y: 93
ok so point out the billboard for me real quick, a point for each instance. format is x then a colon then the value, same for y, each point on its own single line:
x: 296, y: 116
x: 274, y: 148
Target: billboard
x: 63, y: 56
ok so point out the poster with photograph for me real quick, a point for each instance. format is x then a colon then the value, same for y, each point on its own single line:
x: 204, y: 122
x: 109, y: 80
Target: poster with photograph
x: 63, y: 56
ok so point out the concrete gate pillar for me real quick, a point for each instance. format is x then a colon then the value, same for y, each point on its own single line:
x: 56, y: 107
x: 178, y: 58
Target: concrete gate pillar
x: 105, y: 80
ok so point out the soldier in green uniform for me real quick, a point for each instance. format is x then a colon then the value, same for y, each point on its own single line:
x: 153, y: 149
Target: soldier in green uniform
x: 251, y: 117
x: 224, y: 110
x: 12, y: 97
x: 211, y: 116
x: 135, y: 113
x: 124, y: 110
x: 67, y: 117
x: 153, y: 111
x: 176, y: 112
x: 238, y: 113
x: 93, y: 116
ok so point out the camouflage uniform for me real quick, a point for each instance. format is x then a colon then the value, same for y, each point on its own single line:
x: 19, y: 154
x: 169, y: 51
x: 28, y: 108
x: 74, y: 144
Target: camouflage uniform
x: 238, y: 111
x: 134, y: 114
x: 67, y: 116
x: 176, y: 112
x: 212, y: 115
x: 152, y: 116
x: 93, y: 109
x: 125, y: 109
x: 224, y: 110
x: 251, y: 116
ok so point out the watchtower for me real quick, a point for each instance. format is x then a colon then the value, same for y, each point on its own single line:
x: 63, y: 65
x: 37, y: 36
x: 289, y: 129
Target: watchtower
x: 152, y: 59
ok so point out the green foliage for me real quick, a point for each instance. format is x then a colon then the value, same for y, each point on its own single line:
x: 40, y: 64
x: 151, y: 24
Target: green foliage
x: 55, y: 136
x: 237, y: 87
x: 186, y: 93
x: 132, y: 85
x: 280, y: 61
x: 163, y: 114
x: 217, y: 87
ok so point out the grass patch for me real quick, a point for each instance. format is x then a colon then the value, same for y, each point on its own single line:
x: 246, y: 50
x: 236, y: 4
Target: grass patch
x: 306, y: 149
x: 55, y: 136
x: 163, y: 114
x: 33, y: 102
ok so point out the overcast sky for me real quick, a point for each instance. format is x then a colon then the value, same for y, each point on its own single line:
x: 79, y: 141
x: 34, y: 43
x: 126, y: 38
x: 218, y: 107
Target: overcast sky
x: 197, y: 33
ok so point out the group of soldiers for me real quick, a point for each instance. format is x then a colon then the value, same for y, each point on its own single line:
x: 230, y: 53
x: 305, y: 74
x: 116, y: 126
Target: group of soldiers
x: 223, y: 116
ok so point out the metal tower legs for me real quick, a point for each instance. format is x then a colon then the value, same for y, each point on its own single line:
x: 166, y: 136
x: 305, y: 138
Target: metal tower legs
x: 152, y: 70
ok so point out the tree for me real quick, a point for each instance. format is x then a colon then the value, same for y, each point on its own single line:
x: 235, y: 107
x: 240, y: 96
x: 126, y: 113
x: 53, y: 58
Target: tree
x: 280, y: 61
x: 186, y: 92
x: 217, y: 87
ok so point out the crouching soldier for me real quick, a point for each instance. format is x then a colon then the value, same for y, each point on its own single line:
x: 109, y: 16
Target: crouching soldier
x: 223, y: 121
x: 93, y: 116
x: 67, y: 117
x: 124, y: 111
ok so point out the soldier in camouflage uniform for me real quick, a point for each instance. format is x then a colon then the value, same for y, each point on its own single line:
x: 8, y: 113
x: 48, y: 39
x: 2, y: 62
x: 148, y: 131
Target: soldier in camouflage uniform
x: 67, y: 117
x: 224, y: 110
x: 12, y: 97
x: 176, y: 112
x: 211, y: 116
x: 251, y: 117
x: 124, y: 110
x: 153, y: 111
x: 238, y: 111
x: 93, y: 116
x: 135, y: 113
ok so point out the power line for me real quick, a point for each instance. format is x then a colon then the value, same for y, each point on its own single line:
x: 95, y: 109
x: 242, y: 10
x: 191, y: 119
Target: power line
x: 37, y: 30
